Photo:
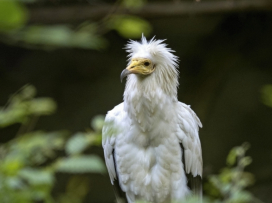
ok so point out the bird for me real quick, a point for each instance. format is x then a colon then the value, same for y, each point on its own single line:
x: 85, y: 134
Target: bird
x: 151, y: 140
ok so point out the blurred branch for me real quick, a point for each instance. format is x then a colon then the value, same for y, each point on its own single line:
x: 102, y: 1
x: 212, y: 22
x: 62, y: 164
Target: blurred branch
x: 68, y: 14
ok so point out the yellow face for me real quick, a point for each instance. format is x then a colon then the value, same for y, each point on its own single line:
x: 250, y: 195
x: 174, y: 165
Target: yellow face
x: 141, y: 66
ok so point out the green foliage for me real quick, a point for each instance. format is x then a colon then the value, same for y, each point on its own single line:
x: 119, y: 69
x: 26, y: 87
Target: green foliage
x: 81, y: 164
x: 130, y: 26
x: 13, y: 15
x: 230, y: 185
x: 98, y: 122
x: 28, y: 161
x: 21, y: 107
x: 59, y: 36
x: 36, y: 177
x: 88, y: 35
x: 267, y: 95
x: 77, y: 144
x: 13, y: 20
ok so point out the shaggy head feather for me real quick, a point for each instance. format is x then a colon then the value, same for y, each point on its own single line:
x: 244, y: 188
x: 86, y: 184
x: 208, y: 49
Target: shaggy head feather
x: 166, y: 74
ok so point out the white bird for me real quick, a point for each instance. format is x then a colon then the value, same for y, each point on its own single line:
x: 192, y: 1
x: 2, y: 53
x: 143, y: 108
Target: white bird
x: 151, y: 142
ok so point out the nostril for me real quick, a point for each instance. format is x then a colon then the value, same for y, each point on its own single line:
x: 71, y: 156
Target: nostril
x: 132, y: 67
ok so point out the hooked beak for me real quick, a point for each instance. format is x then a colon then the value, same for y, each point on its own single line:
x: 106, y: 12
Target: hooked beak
x: 141, y: 66
x: 124, y: 74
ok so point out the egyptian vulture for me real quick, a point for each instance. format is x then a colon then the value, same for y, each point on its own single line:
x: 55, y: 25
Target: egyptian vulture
x: 151, y: 144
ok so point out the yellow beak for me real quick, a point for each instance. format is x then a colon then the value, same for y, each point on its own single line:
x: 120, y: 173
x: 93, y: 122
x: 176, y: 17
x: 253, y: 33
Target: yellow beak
x: 140, y: 66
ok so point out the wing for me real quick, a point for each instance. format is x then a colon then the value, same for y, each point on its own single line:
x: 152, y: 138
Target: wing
x: 109, y: 134
x: 188, y: 136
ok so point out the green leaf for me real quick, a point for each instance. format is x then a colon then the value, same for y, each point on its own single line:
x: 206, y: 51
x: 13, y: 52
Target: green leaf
x: 130, y: 26
x: 241, y: 196
x: 28, y: 92
x: 81, y: 164
x: 49, y: 35
x: 11, y: 165
x: 266, y: 93
x: 17, y: 114
x: 42, y: 106
x: 21, y: 106
x: 36, y: 147
x: 247, y: 179
x: 87, y: 40
x: 36, y: 176
x: 98, y: 122
x: 245, y: 161
x: 231, y: 159
x: 13, y: 15
x: 61, y: 36
x: 14, y: 182
x: 76, y: 144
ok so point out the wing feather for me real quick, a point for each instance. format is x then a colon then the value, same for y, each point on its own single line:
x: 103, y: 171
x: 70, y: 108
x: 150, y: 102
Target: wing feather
x: 188, y: 136
x: 189, y: 125
x: 109, y: 134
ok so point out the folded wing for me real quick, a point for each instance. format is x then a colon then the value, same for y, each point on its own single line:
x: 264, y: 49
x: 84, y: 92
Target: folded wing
x: 188, y: 136
x: 109, y: 133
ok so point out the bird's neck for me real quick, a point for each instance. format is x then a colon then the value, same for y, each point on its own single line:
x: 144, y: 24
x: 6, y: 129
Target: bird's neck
x: 144, y: 96
x: 151, y: 86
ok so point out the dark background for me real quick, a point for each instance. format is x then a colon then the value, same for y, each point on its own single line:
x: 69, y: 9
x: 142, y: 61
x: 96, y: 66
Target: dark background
x: 225, y: 60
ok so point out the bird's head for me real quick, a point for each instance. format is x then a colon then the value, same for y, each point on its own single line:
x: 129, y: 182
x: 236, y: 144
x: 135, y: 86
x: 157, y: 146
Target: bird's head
x: 150, y: 57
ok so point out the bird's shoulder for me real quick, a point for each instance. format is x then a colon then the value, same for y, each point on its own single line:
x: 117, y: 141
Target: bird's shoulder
x: 185, y: 111
x: 112, y: 122
x: 114, y: 115
x: 115, y: 112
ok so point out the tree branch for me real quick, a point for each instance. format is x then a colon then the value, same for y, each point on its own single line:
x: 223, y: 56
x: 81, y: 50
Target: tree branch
x: 70, y: 14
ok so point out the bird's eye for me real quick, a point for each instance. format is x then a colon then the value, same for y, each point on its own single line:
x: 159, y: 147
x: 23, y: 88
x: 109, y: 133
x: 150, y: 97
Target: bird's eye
x: 146, y: 63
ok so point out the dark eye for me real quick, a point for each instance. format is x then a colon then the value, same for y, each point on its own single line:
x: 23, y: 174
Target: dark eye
x: 146, y: 63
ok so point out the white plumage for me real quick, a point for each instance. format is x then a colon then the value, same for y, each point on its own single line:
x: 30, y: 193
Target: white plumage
x: 142, y: 135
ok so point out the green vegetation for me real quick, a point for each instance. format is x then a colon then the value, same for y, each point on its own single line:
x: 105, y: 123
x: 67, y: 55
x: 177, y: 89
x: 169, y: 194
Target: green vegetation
x: 14, y: 16
x: 229, y: 186
x: 267, y: 95
x: 30, y: 160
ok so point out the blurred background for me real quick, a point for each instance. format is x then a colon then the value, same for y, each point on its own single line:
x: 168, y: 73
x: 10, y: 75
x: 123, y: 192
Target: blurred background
x: 71, y: 54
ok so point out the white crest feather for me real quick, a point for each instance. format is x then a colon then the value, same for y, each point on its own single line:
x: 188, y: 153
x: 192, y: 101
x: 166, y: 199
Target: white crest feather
x: 165, y: 61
